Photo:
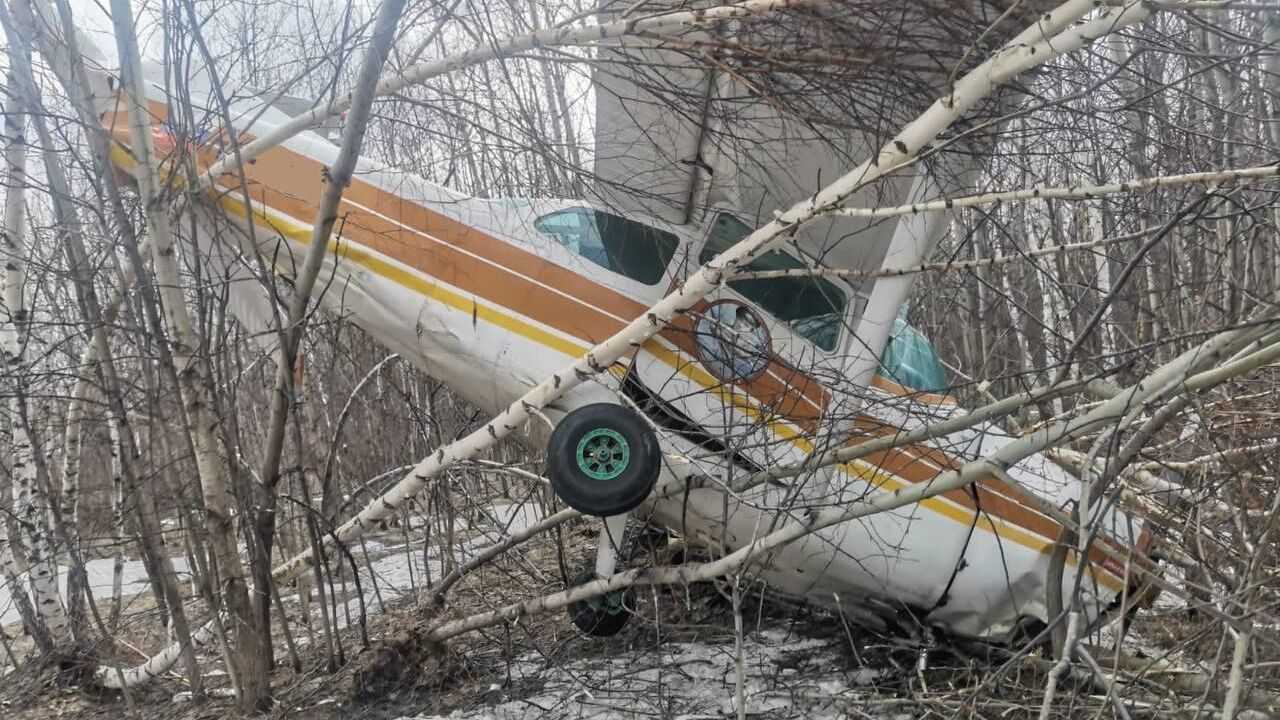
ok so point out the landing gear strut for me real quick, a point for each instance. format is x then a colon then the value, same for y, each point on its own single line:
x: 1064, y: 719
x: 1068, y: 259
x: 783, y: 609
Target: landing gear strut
x: 607, y: 614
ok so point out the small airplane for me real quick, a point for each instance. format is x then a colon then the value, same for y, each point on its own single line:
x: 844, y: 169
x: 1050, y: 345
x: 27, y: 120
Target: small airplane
x: 493, y: 295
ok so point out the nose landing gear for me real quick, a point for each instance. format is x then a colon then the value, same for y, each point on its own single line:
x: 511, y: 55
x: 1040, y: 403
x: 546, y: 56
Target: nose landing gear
x: 603, y: 460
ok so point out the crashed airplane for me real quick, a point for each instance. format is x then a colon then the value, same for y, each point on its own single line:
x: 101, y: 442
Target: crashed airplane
x: 491, y: 296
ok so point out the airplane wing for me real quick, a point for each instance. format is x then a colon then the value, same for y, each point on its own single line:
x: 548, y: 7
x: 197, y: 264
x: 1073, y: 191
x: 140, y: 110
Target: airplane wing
x: 752, y: 117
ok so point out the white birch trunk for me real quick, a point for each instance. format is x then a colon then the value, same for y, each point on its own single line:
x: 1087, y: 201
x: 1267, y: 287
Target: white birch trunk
x: 1102, y: 271
x: 15, y: 158
x: 28, y: 503
x: 71, y: 448
x: 1271, y: 38
x: 32, y: 512
x: 1074, y: 192
x: 70, y: 509
x: 1018, y: 322
x: 1048, y: 312
x: 117, y: 522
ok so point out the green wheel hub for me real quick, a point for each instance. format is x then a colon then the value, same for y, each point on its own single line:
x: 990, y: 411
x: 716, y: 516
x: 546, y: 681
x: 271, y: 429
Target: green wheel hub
x: 603, y: 454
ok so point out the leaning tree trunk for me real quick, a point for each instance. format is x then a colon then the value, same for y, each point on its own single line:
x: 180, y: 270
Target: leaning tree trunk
x: 339, y: 177
x: 193, y: 376
x: 77, y: 580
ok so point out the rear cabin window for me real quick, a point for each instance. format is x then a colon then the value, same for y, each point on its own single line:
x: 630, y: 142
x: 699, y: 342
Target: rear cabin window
x: 812, y: 306
x: 623, y: 246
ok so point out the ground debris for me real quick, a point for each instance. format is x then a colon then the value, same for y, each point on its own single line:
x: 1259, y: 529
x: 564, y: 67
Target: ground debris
x: 406, y: 658
x: 787, y: 675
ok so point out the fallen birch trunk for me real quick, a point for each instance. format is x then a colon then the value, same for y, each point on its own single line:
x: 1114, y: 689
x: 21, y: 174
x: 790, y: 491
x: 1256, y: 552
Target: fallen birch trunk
x: 813, y: 462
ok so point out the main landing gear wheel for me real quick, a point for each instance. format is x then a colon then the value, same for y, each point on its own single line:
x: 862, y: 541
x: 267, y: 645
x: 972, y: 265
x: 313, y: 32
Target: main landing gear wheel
x: 603, y: 615
x: 603, y: 460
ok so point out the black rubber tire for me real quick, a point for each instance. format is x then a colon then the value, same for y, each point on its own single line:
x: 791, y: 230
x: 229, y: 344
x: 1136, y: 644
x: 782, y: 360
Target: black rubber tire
x: 604, y: 615
x: 1028, y: 628
x: 603, y: 498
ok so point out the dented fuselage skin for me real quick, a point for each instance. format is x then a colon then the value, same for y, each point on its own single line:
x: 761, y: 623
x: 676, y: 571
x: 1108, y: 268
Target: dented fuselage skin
x: 472, y: 293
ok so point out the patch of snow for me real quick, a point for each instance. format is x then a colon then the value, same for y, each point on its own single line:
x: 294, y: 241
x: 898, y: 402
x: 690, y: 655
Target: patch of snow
x: 401, y: 570
x: 786, y: 677
x: 515, y: 517
x: 99, y: 572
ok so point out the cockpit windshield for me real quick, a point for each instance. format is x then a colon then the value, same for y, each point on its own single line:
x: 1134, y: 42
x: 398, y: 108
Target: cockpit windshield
x: 909, y: 360
x: 812, y: 306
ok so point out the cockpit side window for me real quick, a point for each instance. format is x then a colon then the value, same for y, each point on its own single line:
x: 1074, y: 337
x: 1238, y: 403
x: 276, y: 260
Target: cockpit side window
x: 623, y: 246
x: 910, y: 360
x: 812, y: 306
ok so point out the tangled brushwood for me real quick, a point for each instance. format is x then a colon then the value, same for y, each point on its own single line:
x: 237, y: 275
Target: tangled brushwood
x: 549, y: 359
